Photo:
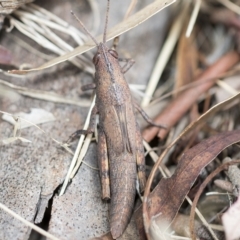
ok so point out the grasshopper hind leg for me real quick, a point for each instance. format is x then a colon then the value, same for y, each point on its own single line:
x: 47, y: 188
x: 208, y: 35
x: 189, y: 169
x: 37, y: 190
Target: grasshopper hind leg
x: 103, y: 164
x: 140, y: 159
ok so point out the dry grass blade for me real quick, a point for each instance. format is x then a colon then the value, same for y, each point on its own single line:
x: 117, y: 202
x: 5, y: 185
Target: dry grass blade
x: 178, y: 237
x: 130, y: 8
x: 154, y: 156
x: 77, y: 152
x: 55, y: 22
x: 164, y: 55
x: 29, y: 47
x: 193, y: 17
x: 230, y: 5
x: 226, y: 87
x: 43, y: 95
x: 82, y: 154
x: 119, y: 29
x: 38, y: 25
x: 27, y: 223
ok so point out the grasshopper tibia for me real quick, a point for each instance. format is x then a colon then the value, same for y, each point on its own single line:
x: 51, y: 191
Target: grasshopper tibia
x: 147, y: 118
x: 90, y: 129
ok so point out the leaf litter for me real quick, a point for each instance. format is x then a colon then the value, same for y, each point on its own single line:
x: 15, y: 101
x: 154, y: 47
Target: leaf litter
x: 198, y: 75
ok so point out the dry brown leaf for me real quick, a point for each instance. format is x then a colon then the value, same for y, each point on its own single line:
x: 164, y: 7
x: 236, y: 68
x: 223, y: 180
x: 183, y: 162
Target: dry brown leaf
x: 186, y: 60
x: 169, y: 194
x: 193, y: 125
x: 165, y: 200
x: 119, y: 29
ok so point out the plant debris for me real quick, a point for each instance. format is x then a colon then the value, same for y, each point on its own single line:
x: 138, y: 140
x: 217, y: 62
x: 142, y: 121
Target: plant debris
x: 186, y: 77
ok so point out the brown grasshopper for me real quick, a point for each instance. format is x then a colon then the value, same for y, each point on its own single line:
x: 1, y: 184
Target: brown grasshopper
x: 120, y: 149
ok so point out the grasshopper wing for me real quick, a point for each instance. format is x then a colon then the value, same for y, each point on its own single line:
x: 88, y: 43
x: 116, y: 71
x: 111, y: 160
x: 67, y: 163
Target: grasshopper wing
x: 115, y: 127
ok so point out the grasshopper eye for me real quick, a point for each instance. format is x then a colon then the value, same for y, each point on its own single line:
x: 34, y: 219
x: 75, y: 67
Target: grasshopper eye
x: 113, y: 53
x: 96, y: 59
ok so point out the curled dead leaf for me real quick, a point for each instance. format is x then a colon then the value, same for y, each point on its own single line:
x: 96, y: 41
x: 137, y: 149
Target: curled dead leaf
x: 165, y: 200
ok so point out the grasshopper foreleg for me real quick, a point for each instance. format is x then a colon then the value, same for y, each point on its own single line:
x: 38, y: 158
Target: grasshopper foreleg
x: 90, y: 129
x: 103, y: 164
x: 146, y: 117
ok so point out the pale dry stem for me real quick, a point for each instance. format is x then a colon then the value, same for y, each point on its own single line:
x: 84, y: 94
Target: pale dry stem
x: 193, y: 17
x: 44, y: 95
x: 78, y: 150
x: 230, y: 5
x: 165, y: 54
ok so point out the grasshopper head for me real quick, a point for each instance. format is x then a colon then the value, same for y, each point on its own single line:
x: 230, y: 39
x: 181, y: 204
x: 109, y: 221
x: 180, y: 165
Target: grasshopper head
x: 104, y: 56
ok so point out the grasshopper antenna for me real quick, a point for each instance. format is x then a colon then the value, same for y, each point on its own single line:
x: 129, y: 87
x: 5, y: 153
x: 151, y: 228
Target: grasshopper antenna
x: 106, y: 23
x: 85, y: 29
